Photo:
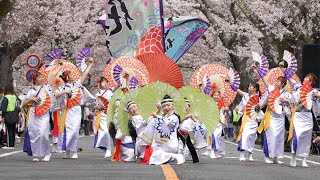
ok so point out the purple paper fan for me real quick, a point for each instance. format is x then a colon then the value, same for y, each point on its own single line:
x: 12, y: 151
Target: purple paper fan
x: 234, y: 78
x: 263, y: 63
x: 207, y: 87
x: 80, y: 61
x: 117, y: 70
x: 292, y: 64
x: 134, y: 82
x: 56, y: 54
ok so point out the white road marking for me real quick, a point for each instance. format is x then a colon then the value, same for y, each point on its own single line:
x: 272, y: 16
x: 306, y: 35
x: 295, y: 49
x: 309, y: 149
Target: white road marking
x: 10, y: 153
x: 309, y: 161
x: 16, y: 152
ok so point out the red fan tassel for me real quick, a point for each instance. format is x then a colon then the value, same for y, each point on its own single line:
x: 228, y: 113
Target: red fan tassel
x: 55, y: 130
x: 116, y: 153
x: 147, y: 155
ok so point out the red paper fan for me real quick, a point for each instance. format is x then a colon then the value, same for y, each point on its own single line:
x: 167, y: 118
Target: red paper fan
x: 104, y: 102
x: 220, y: 103
x: 214, y: 70
x: 44, y: 103
x: 151, y: 42
x: 75, y: 97
x: 251, y: 105
x: 116, y: 70
x: 272, y: 76
x: 274, y: 102
x: 162, y: 68
x: 306, y: 95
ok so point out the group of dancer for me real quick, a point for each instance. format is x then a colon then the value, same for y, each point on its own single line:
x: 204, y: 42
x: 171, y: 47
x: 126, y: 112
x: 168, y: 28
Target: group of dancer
x: 165, y: 136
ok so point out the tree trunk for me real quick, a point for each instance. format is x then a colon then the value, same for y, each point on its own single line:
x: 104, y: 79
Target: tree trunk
x: 10, y: 51
x: 6, y: 61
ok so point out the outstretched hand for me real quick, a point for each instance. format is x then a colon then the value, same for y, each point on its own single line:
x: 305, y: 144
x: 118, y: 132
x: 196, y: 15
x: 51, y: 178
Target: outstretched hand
x: 90, y: 60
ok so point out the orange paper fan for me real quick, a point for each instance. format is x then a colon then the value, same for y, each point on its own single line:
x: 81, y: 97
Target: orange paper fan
x: 274, y: 101
x: 306, y: 95
x: 162, y: 68
x: 271, y: 78
x: 250, y: 107
x: 75, y: 97
x: 220, y: 103
x: 103, y: 102
x: 44, y: 103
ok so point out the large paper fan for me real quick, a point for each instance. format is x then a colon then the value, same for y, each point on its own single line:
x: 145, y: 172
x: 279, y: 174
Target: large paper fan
x: 292, y: 64
x: 123, y: 115
x: 53, y: 77
x: 214, y: 72
x: 202, y: 107
x: 44, y: 73
x: 252, y: 103
x: 306, y: 95
x: 153, y: 93
x: 263, y: 63
x: 117, y: 95
x: 274, y: 101
x: 162, y: 68
x: 115, y: 72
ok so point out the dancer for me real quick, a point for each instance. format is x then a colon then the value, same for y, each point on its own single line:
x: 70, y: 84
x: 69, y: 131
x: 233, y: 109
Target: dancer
x: 102, y: 138
x: 73, y: 93
x: 36, y: 142
x: 302, y: 121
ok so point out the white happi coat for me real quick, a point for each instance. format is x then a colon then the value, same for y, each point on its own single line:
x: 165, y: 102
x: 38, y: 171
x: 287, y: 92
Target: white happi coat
x: 303, y: 123
x: 162, y: 133
x: 199, y: 131
x: 103, y: 139
x: 70, y: 138
x: 39, y: 126
x: 139, y: 124
x: 274, y: 136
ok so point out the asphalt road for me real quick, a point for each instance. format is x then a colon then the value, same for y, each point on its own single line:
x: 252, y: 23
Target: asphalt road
x: 14, y: 164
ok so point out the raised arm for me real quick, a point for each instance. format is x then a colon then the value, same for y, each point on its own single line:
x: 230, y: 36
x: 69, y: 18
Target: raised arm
x: 240, y: 92
x: 86, y: 72
x: 263, y: 79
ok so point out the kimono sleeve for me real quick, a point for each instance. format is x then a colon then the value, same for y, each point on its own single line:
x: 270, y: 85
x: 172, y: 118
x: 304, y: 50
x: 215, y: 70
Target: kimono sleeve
x: 243, y: 102
x: 264, y: 99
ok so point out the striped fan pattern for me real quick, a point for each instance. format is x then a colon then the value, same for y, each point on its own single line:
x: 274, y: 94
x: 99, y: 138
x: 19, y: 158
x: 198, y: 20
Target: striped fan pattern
x: 263, y: 63
x: 250, y: 107
x: 274, y: 102
x: 44, y: 103
x: 306, y: 95
x: 105, y: 103
x: 234, y: 79
x: 292, y: 64
x: 80, y: 61
x: 56, y: 54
